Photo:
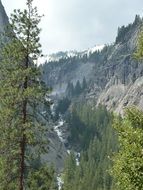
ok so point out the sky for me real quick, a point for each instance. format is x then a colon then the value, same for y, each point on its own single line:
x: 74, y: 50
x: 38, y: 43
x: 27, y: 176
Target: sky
x: 80, y: 24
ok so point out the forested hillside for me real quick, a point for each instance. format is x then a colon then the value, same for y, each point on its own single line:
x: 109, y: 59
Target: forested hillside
x: 75, y: 122
x: 112, y: 77
x: 111, y: 73
x: 92, y: 133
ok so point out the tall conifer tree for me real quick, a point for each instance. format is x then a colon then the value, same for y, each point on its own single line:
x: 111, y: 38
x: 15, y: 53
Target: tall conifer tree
x: 22, y: 137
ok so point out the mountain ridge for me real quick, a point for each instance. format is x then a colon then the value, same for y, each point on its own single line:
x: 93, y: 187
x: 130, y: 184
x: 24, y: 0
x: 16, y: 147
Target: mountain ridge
x: 113, y: 66
x: 113, y: 78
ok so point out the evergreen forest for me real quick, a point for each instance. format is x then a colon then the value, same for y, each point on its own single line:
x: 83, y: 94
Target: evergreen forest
x: 101, y: 146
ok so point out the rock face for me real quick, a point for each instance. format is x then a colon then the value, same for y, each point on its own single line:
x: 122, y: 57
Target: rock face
x: 56, y: 153
x: 114, y: 77
x: 3, y: 17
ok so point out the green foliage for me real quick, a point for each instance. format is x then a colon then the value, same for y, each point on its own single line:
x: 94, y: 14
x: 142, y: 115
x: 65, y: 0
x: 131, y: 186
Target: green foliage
x: 70, y: 90
x: 78, y: 88
x: 124, y: 30
x: 23, y: 136
x: 42, y: 179
x: 138, y: 20
x: 128, y: 162
x: 139, y: 52
x: 84, y: 84
x: 62, y: 107
x: 85, y: 123
x: 121, y: 36
x: 69, y: 172
x: 74, y: 91
x: 92, y: 172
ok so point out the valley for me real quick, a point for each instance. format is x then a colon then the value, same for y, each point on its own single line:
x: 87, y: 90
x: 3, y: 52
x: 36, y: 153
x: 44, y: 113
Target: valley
x: 76, y: 116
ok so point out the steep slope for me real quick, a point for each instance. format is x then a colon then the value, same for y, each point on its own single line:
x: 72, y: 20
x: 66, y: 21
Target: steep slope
x: 3, y: 17
x: 113, y: 78
x: 125, y: 85
x: 110, y: 73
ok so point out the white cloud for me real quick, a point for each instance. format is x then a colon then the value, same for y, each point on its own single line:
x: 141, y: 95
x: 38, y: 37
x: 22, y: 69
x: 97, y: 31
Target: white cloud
x: 80, y: 24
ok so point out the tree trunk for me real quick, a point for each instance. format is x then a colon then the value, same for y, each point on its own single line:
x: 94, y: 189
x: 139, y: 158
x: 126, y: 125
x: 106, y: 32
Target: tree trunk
x: 22, y: 164
x: 23, y: 140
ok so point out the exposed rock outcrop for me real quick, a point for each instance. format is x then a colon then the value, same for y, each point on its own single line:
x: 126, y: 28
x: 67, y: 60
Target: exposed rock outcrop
x: 3, y: 18
x: 112, y: 74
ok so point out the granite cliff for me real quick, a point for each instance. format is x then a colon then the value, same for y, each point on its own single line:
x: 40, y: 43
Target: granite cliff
x: 3, y: 17
x: 113, y: 76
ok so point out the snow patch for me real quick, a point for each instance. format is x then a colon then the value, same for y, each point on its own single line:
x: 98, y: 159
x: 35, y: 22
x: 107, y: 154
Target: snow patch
x: 95, y: 48
x: 67, y: 54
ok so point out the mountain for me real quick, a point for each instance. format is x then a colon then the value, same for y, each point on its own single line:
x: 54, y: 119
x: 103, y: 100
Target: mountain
x: 3, y: 17
x: 109, y: 76
x: 106, y: 74
x: 68, y: 54
x: 113, y: 76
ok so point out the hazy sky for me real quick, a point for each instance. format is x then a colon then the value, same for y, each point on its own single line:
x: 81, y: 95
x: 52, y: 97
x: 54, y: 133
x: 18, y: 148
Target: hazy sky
x: 80, y: 24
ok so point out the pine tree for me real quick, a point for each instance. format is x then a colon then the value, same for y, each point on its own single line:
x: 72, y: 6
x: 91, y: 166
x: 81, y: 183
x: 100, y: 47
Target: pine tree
x: 23, y: 138
x: 77, y: 89
x: 97, y: 141
x: 69, y: 172
x: 70, y: 89
x: 84, y: 84
x: 44, y: 178
x: 139, y: 51
x: 128, y: 162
